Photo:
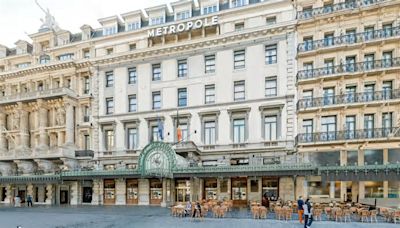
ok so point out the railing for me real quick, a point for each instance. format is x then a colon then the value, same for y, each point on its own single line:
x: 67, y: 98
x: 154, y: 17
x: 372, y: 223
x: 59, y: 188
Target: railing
x: 349, y: 39
x: 37, y: 94
x: 264, y: 145
x: 111, y: 153
x: 84, y: 153
x: 348, y: 68
x: 306, y: 14
x: 331, y: 136
x: 349, y: 98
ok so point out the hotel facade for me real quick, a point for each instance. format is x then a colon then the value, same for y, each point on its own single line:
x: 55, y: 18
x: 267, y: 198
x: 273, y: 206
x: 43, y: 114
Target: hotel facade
x: 194, y: 100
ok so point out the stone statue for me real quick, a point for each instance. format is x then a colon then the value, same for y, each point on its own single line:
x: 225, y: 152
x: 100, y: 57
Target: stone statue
x: 16, y: 120
x: 49, y: 21
x: 60, y: 117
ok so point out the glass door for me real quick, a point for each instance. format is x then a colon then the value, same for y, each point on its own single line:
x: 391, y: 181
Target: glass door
x: 387, y: 90
x: 329, y: 96
x: 109, y: 192
x: 328, y: 128
x: 210, y: 189
x: 350, y: 127
x: 369, y: 91
x: 131, y: 191
x: 386, y: 123
x: 369, y: 125
x: 351, y: 94
x: 350, y: 63
x: 155, y: 191
x: 369, y: 61
x: 239, y: 191
x: 182, y: 191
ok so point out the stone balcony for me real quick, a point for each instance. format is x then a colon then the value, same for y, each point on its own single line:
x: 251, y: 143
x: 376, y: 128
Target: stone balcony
x: 27, y: 153
x: 48, y: 93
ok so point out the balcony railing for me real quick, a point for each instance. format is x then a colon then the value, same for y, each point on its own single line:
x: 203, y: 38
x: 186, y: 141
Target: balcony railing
x: 84, y: 153
x: 37, y: 94
x: 349, y: 39
x: 331, y: 136
x: 349, y: 98
x: 349, y: 5
x: 118, y: 153
x: 348, y: 68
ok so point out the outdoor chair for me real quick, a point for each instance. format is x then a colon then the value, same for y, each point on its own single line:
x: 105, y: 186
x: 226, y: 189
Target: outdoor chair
x: 373, y: 215
x: 347, y: 215
x: 317, y: 213
x: 364, y: 215
x: 396, y: 216
x: 263, y: 212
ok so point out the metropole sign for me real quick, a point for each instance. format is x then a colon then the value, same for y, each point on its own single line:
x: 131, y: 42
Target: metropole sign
x: 178, y: 28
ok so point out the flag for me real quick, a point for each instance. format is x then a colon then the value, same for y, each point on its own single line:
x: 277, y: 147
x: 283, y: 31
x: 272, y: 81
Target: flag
x: 178, y: 128
x: 160, y: 127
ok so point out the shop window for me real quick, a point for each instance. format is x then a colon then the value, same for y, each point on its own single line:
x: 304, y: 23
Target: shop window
x: 373, y: 189
x: 210, y: 189
x: 239, y: 189
x: 318, y: 189
x: 109, y: 191
x: 254, y: 185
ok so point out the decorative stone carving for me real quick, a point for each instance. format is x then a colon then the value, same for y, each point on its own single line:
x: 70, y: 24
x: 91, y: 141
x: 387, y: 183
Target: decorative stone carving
x: 60, y: 117
x: 46, y: 165
x: 49, y: 194
x: 6, y: 168
x: 26, y: 167
x: 70, y: 164
x: 16, y: 120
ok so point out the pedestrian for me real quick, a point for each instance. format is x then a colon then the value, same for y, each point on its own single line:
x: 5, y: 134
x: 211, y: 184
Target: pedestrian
x: 300, y: 210
x: 197, y: 209
x: 307, y: 213
x: 310, y: 210
x: 29, y: 200
x: 188, y: 208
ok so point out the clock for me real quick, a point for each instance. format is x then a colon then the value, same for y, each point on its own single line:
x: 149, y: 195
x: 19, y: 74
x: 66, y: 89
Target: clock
x: 157, y: 160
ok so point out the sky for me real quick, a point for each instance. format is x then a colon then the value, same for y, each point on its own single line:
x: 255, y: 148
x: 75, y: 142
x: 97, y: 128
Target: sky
x: 21, y: 17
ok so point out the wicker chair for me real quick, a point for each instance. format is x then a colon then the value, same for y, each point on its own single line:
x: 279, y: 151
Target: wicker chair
x: 373, y: 215
x: 347, y: 215
x: 339, y: 215
x: 364, y: 215
x: 263, y: 212
x: 256, y: 212
x: 317, y: 213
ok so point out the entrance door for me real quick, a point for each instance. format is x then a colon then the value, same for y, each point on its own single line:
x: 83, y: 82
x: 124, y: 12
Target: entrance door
x: 239, y: 191
x: 21, y: 194
x: 210, y: 189
x: 182, y: 190
x: 132, y: 191
x: 87, y: 195
x: 63, y: 197
x: 155, y: 191
x: 109, y: 192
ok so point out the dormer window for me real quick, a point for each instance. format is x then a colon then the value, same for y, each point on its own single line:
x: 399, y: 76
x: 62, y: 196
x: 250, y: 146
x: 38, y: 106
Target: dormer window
x: 157, y: 20
x: 210, y: 9
x: 109, y: 30
x: 133, y: 26
x: 182, y: 15
x: 44, y: 59
x: 65, y: 57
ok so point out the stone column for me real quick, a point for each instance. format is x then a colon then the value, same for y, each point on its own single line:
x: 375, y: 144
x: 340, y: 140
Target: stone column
x: 43, y: 138
x: 23, y: 126
x: 9, y: 194
x: 144, y: 191
x: 332, y: 189
x: 29, y: 190
x: 385, y: 183
x: 164, y: 193
x: 120, y: 191
x: 3, y: 141
x: 201, y: 190
x: 69, y: 125
x: 49, y: 194
x: 74, y: 188
x: 97, y: 196
x: 361, y: 184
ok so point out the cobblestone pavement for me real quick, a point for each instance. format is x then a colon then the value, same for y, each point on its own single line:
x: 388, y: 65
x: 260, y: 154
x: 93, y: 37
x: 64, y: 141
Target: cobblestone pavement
x: 141, y: 216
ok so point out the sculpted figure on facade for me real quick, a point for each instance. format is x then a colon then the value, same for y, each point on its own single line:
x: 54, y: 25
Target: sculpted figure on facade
x: 16, y: 120
x: 60, y: 116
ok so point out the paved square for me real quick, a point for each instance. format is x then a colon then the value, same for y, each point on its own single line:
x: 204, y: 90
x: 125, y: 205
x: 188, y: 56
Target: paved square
x: 139, y: 216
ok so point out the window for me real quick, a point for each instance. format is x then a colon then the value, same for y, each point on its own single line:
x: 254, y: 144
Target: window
x: 209, y: 133
x: 182, y: 15
x: 270, y: 128
x: 350, y: 127
x: 86, y: 85
x: 239, y: 26
x: 154, y: 134
x: 369, y: 92
x: 351, y: 93
x: 239, y: 90
x: 270, y: 87
x: 210, y: 94
x: 109, y: 105
x: 386, y: 123
x: 387, y: 59
x: 65, y: 57
x: 328, y: 39
x: 132, y: 103
x: 369, y: 125
x: 369, y: 32
x: 109, y: 79
x: 109, y: 139
x: 157, y: 20
x: 131, y: 138
x: 351, y: 63
x: 109, y: 31
x: 156, y: 100
x: 239, y: 59
x: 369, y: 61
x: 271, y: 20
x: 182, y: 68
x: 387, y: 89
x: 308, y: 130
x: 237, y: 3
x: 182, y: 97
x: 132, y: 75
x: 387, y: 30
x: 329, y: 66
x: 86, y: 142
x: 44, y: 59
x: 184, y: 132
x: 109, y: 51
x: 209, y: 63
x: 329, y: 96
x: 156, y: 72
x: 133, y: 26
x: 238, y: 130
x: 270, y: 54
x: 328, y: 128
x: 210, y: 9
x: 86, y: 114
x: 308, y: 43
x: 23, y: 65
x: 132, y: 47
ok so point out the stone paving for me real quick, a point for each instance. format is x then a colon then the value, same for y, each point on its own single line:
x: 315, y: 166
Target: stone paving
x: 141, y: 216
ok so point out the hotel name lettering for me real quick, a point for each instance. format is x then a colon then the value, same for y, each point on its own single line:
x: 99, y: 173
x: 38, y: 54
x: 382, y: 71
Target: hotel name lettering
x: 172, y: 29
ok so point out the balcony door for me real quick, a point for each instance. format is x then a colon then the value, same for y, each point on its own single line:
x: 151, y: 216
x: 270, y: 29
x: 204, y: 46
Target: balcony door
x: 369, y: 91
x: 386, y: 123
x: 387, y: 59
x: 308, y: 130
x: 329, y: 96
x: 369, y: 61
x: 350, y: 127
x: 350, y: 63
x: 328, y: 128
x: 369, y: 125
x: 351, y: 94
x: 387, y: 90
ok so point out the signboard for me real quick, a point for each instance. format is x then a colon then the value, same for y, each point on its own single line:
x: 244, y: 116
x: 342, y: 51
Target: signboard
x: 182, y: 27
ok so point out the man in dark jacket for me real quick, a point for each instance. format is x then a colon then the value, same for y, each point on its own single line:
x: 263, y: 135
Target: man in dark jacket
x: 300, y: 210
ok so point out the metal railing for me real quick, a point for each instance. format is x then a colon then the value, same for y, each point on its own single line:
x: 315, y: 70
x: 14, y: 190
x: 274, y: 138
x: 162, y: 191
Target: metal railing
x: 349, y: 39
x: 84, y: 153
x: 348, y: 98
x: 349, y: 5
x: 331, y: 136
x: 37, y: 94
x: 348, y: 68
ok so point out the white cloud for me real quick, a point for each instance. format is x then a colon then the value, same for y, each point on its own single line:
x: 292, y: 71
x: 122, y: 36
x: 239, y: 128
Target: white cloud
x: 21, y: 17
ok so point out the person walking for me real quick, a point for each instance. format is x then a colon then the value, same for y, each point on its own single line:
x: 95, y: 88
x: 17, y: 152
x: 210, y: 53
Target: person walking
x: 310, y: 217
x: 307, y: 213
x: 29, y: 200
x: 197, y: 209
x: 300, y: 210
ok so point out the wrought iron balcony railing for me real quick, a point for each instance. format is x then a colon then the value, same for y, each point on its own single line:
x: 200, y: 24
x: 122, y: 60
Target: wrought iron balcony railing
x: 343, y: 6
x: 348, y: 68
x: 37, y: 94
x: 349, y: 98
x: 347, y: 39
x: 331, y: 136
